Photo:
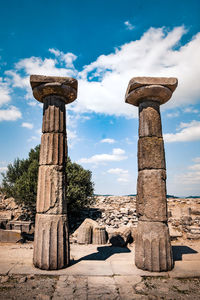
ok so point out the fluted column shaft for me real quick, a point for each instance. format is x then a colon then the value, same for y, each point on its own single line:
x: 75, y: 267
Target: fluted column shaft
x: 152, y: 245
x: 51, y: 241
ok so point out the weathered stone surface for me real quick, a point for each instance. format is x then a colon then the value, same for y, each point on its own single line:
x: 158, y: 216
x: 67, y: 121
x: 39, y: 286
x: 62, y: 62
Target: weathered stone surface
x: 151, y: 154
x: 85, y: 234
x: 149, y: 119
x: 52, y: 150
x: 120, y: 237
x: 99, y: 236
x: 51, y: 248
x: 54, y: 116
x: 156, y: 93
x: 157, y: 89
x: 10, y: 236
x: 36, y: 80
x: 63, y: 92
x: 137, y: 82
x: 151, y: 195
x: 51, y: 191
x: 86, y: 222
x: 153, y: 247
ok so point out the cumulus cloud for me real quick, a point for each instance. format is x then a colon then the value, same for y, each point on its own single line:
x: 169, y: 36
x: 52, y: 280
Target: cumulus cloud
x: 103, y: 82
x: 109, y: 141
x: 4, y: 92
x: 188, y: 132
x: 196, y: 159
x: 123, y: 175
x: 27, y: 125
x: 193, y: 176
x: 172, y: 115
x: 10, y: 114
x: 116, y: 155
x: 3, y: 169
x: 128, y: 25
x: 190, y: 110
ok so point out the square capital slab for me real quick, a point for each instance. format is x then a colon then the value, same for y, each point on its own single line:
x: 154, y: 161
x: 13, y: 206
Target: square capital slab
x: 64, y: 87
x: 157, y: 89
x: 36, y: 80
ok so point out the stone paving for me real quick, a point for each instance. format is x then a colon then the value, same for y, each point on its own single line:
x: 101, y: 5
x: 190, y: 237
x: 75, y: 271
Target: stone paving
x: 100, y: 272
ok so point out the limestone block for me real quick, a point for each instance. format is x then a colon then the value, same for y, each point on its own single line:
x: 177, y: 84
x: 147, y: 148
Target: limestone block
x: 85, y: 234
x: 51, y: 242
x: 151, y: 154
x: 10, y: 236
x: 152, y: 247
x: 51, y: 190
x: 150, y: 119
x: 99, y: 236
x: 86, y: 222
x: 151, y: 201
x: 156, y: 93
x: 120, y: 237
x: 158, y: 89
x: 36, y: 80
x: 54, y: 117
x: 65, y: 93
x: 52, y: 150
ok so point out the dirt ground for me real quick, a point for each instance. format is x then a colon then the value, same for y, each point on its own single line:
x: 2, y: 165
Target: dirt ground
x: 44, y: 288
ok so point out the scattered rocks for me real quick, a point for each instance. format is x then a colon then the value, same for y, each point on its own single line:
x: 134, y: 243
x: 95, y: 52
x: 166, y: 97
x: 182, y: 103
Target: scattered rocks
x: 22, y: 279
x: 4, y: 279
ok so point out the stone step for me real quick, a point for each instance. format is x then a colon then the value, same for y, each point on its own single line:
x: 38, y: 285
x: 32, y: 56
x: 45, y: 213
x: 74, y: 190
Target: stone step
x: 191, y: 257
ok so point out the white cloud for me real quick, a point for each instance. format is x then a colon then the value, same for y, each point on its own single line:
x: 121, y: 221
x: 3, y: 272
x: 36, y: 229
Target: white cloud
x: 190, y: 132
x: 128, y: 25
x: 117, y: 155
x: 4, y: 92
x: 123, y: 175
x: 10, y: 114
x: 192, y: 177
x: 67, y: 58
x: 117, y: 171
x: 172, y: 115
x: 103, y: 83
x: 190, y: 110
x: 195, y: 167
x: 3, y: 169
x: 109, y: 141
x: 196, y: 159
x: 27, y: 125
x: 32, y: 103
x: 189, y: 178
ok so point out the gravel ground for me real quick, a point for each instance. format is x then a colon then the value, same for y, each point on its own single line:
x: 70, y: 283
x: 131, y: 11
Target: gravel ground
x: 80, y: 288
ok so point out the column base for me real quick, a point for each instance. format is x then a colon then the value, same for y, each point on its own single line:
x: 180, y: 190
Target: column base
x: 51, y: 242
x: 153, y: 247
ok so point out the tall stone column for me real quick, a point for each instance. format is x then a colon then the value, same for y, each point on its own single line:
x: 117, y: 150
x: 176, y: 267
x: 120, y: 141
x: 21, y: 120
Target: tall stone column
x: 51, y: 242
x: 152, y: 245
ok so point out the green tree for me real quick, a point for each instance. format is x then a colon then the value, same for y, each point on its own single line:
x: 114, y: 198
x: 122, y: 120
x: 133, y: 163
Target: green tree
x: 20, y: 182
x: 80, y: 188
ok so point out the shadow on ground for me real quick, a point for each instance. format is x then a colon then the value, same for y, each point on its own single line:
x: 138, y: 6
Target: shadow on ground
x: 103, y: 253
x: 178, y: 251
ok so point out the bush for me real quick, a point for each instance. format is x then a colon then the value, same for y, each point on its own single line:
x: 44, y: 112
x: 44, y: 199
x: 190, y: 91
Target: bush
x: 20, y: 182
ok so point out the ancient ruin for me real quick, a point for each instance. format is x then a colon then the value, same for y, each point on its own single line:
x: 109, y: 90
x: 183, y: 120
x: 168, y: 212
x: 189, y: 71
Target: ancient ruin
x: 152, y: 246
x: 51, y: 245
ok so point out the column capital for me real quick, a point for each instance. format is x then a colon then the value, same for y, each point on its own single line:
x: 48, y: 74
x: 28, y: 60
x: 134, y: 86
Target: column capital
x: 63, y: 87
x: 158, y: 89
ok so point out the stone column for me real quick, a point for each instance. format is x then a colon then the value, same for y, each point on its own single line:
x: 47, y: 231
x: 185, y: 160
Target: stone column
x: 152, y: 246
x: 51, y: 242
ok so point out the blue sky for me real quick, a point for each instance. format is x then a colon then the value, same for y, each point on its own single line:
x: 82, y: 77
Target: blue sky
x: 103, y: 44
